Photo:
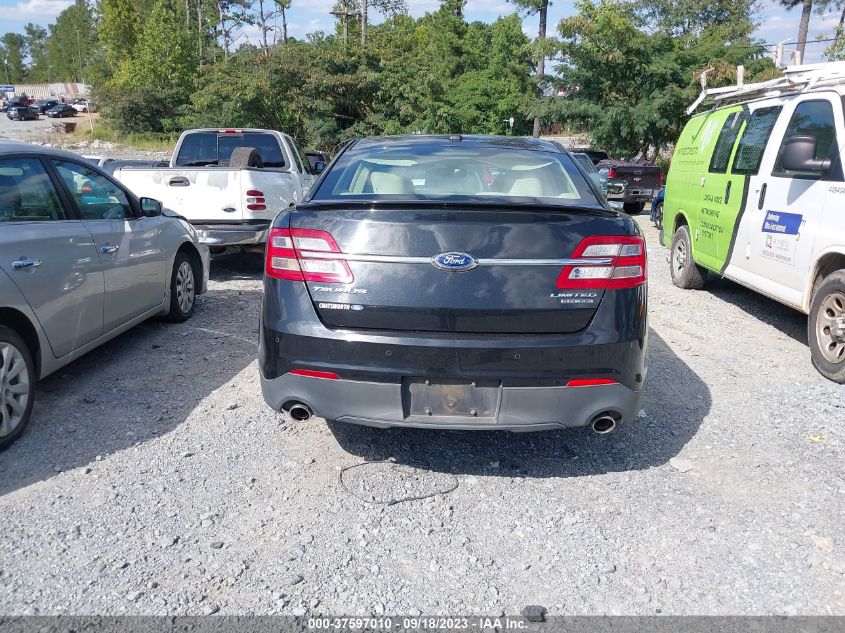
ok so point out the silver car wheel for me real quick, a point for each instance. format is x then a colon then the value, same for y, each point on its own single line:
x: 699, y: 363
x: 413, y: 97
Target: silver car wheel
x: 14, y: 388
x: 185, y: 292
x: 831, y: 310
x: 679, y: 258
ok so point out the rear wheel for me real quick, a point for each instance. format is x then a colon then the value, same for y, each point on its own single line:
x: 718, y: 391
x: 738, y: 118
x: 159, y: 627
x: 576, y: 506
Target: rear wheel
x: 17, y: 386
x: 685, y: 272
x: 183, y: 289
x: 826, y: 327
x: 658, y: 215
x: 633, y: 208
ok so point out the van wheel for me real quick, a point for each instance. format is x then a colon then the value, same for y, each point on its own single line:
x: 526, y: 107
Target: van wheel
x: 658, y: 216
x: 826, y: 327
x: 183, y: 289
x: 17, y: 386
x: 686, y: 273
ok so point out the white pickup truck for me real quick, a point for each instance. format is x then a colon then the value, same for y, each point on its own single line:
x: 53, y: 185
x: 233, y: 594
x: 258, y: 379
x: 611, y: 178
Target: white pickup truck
x: 229, y: 184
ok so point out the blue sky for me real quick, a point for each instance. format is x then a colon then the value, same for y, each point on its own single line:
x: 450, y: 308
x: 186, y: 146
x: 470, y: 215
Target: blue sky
x: 776, y: 24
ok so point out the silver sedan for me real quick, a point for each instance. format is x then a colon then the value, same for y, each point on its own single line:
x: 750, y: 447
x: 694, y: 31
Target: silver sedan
x: 81, y: 261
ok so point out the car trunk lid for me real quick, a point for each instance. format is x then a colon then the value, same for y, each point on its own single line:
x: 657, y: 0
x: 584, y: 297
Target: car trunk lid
x: 474, y: 270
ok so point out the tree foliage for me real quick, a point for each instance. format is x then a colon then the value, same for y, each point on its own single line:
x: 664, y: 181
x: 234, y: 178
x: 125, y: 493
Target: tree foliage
x: 163, y: 65
x: 634, y: 83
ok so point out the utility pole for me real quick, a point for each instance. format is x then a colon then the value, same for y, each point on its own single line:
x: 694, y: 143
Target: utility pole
x: 79, y: 47
x: 363, y: 23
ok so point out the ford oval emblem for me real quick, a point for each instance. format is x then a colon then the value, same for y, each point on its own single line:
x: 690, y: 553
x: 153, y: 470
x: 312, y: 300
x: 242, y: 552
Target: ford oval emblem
x: 454, y: 261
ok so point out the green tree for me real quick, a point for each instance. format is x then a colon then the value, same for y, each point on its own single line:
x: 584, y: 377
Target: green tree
x: 72, y: 43
x: 635, y: 84
x: 12, y: 48
x: 120, y: 24
x: 804, y: 24
x: 541, y: 8
x: 36, y: 43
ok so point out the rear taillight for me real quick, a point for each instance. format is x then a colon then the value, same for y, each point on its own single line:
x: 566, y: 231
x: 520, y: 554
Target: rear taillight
x: 626, y: 267
x: 611, y: 173
x: 255, y: 200
x: 660, y: 179
x: 590, y: 382
x: 313, y: 373
x: 305, y: 255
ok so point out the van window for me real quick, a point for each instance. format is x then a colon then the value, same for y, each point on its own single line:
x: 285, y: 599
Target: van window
x: 725, y: 142
x: 815, y: 119
x: 752, y: 144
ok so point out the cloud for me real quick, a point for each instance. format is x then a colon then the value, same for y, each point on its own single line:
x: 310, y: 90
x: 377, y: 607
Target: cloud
x: 38, y: 10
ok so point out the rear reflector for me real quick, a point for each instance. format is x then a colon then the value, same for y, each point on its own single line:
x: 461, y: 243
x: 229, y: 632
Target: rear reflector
x: 627, y: 268
x: 300, y: 255
x: 311, y: 373
x: 590, y: 382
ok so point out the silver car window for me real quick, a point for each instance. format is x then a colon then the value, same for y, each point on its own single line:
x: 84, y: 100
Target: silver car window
x: 26, y: 192
x: 97, y: 197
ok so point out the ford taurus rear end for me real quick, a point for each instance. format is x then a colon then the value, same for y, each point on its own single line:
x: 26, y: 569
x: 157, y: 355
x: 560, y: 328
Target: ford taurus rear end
x: 455, y: 282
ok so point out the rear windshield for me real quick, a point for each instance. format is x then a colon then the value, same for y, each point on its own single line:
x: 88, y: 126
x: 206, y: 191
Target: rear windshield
x: 201, y: 149
x: 456, y: 171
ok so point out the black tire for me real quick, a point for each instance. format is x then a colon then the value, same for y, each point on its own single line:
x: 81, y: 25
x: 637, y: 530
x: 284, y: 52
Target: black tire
x: 827, y: 349
x: 183, y: 289
x: 633, y: 208
x: 658, y: 216
x: 685, y: 272
x: 245, y: 157
x: 10, y: 340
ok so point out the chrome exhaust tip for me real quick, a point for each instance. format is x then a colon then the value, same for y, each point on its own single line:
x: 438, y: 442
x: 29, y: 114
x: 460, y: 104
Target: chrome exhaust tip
x: 603, y: 424
x: 299, y: 412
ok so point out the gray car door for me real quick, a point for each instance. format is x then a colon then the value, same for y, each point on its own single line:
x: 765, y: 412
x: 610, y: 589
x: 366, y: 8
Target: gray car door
x: 49, y: 255
x: 129, y: 245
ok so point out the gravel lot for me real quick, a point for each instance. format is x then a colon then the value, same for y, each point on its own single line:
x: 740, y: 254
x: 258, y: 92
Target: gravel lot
x: 153, y: 480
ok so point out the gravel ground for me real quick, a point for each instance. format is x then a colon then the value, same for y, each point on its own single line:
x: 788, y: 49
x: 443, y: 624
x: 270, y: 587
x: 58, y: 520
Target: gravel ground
x: 154, y: 480
x: 39, y: 132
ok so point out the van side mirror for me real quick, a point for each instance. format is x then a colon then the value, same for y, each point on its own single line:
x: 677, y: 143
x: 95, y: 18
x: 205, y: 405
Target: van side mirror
x: 319, y: 166
x: 799, y: 155
x: 150, y: 207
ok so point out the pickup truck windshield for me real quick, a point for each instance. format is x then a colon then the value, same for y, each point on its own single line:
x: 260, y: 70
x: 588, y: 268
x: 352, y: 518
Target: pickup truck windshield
x: 200, y: 149
x: 451, y: 172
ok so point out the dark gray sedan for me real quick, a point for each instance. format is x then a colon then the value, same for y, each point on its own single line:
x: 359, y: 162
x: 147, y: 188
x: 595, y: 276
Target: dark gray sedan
x: 81, y: 261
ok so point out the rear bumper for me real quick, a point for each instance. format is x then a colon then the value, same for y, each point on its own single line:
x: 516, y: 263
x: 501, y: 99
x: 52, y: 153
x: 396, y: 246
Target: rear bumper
x: 519, y: 408
x: 232, y: 234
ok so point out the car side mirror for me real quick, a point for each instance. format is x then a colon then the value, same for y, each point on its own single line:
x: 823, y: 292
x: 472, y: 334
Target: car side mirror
x: 799, y: 155
x: 150, y: 207
x: 319, y: 166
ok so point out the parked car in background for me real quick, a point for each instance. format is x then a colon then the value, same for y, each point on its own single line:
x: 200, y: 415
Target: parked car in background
x: 317, y: 161
x: 229, y: 183
x: 80, y: 105
x: 657, y: 208
x: 60, y: 110
x: 596, y: 155
x: 45, y: 104
x: 599, y: 176
x: 14, y: 102
x: 455, y: 282
x: 642, y: 180
x: 82, y: 260
x: 756, y: 192
x: 22, y: 113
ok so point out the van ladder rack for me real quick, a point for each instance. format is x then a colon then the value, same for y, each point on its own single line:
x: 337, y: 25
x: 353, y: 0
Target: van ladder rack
x: 795, y: 78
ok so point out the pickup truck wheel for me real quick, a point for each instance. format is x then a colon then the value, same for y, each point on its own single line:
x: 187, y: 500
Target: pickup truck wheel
x: 245, y: 157
x: 633, y: 208
x: 685, y: 272
x: 826, y: 327
x: 183, y: 289
x: 17, y: 386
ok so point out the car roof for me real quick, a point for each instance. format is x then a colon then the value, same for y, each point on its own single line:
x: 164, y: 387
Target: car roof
x: 19, y: 147
x: 504, y: 142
